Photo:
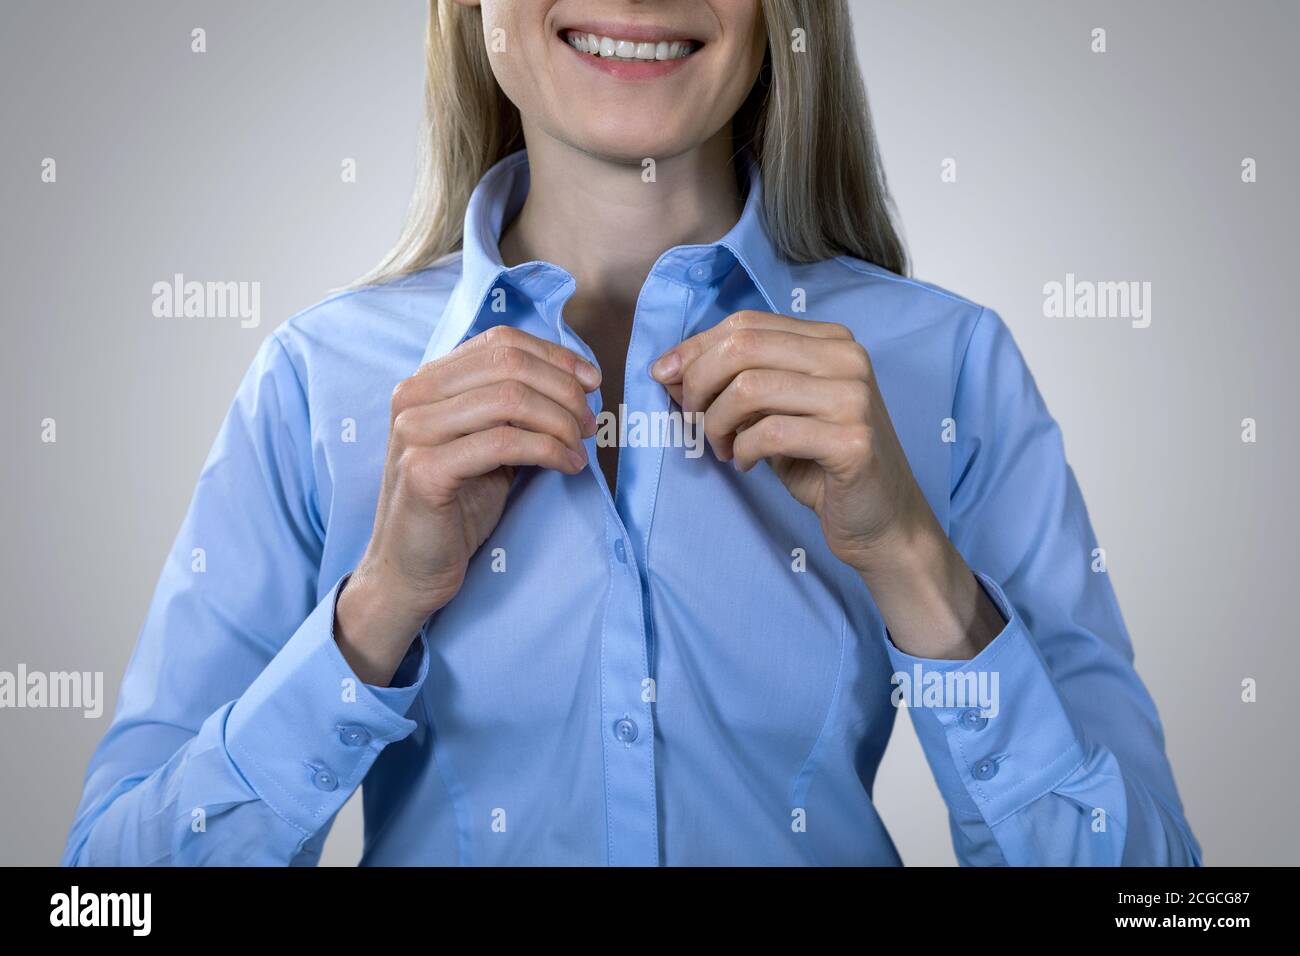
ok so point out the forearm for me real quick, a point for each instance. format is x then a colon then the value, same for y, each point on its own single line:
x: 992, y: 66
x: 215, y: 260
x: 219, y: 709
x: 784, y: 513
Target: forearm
x: 1040, y: 773
x: 263, y: 776
x: 374, y: 628
x: 194, y: 810
x: 931, y: 602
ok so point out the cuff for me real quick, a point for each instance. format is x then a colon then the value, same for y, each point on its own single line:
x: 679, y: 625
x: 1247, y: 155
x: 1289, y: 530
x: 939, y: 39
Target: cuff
x: 994, y: 726
x: 307, y: 730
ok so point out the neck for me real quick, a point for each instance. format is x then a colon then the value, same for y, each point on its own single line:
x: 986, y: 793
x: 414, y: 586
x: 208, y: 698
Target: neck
x: 603, y: 223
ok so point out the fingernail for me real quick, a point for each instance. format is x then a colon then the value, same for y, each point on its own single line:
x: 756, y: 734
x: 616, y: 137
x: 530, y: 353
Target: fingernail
x: 588, y: 375
x: 667, y: 366
x: 578, y: 460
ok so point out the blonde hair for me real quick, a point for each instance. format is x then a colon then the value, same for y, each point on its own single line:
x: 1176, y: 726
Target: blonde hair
x: 806, y: 122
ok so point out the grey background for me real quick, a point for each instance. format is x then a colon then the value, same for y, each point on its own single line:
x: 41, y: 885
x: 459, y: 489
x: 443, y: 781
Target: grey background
x: 1118, y: 166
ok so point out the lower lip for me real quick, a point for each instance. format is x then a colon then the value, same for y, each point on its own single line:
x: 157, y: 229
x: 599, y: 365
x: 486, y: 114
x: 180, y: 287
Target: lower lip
x: 627, y: 69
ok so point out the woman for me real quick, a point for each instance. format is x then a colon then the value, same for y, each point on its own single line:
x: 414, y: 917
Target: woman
x: 412, y: 560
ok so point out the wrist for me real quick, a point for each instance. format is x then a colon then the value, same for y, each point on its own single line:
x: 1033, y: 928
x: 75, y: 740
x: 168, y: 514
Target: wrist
x: 930, y: 600
x: 374, y: 627
x: 912, y: 543
x: 915, y: 565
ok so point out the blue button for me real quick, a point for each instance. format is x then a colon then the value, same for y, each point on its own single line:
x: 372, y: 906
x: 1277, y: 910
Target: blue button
x: 323, y: 779
x: 986, y: 769
x: 620, y: 551
x: 972, y: 720
x: 700, y: 273
x: 625, y: 730
x: 353, y: 736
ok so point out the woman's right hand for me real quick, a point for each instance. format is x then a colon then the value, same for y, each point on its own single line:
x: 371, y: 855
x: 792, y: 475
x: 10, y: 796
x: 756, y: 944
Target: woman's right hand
x: 461, y: 426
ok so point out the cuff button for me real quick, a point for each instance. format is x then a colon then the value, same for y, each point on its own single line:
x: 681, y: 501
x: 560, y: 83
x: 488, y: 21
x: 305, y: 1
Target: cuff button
x: 323, y: 779
x: 353, y: 736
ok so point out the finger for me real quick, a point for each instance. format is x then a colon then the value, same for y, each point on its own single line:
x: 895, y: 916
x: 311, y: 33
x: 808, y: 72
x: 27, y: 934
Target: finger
x: 669, y: 366
x: 755, y: 393
x: 504, y: 403
x: 708, y: 375
x: 475, y: 455
x: 564, y: 359
x: 477, y: 368
x: 792, y: 436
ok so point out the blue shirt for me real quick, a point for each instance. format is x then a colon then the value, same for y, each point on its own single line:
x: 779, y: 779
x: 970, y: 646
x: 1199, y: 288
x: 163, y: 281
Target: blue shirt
x: 680, y: 673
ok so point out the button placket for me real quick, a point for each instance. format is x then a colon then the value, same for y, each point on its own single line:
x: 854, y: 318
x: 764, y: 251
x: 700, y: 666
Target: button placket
x: 631, y: 800
x: 625, y: 730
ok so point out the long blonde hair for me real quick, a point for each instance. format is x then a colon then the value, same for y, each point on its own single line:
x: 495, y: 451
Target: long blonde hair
x: 806, y: 122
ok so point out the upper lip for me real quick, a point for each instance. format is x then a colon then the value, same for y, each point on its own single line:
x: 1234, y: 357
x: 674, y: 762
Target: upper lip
x: 636, y: 32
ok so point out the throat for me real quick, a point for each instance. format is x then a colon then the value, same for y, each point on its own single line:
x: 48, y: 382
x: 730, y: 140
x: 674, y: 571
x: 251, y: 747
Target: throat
x: 607, y: 330
x: 610, y: 349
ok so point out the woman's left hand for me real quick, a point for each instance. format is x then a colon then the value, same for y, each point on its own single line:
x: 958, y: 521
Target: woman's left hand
x: 802, y: 395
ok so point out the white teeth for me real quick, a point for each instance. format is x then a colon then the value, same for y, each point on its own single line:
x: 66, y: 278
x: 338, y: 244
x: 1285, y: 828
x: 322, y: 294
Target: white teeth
x: 629, y: 49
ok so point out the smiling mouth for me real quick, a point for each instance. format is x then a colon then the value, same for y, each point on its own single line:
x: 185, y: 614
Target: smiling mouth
x: 631, y: 51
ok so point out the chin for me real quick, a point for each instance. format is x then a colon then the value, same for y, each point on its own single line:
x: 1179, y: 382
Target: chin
x: 633, y: 142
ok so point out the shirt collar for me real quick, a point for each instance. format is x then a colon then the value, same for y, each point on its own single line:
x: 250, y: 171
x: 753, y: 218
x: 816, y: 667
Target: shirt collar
x: 500, y: 195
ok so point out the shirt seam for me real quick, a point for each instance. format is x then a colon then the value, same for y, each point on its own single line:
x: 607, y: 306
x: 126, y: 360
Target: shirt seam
x: 810, y: 760
x: 1051, y: 788
x: 318, y: 521
x: 903, y: 280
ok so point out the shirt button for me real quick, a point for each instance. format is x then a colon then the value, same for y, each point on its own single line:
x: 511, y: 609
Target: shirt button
x: 620, y: 551
x: 700, y: 273
x: 353, y: 736
x: 972, y: 720
x: 625, y: 730
x: 986, y: 769
x: 323, y: 779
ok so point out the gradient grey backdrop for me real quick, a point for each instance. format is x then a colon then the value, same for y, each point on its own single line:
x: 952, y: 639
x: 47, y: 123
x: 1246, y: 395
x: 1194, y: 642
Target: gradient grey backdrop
x: 1121, y: 166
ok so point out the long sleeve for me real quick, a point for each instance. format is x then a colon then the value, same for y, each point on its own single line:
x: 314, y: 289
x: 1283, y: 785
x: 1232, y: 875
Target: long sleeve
x: 240, y: 730
x: 1068, y: 767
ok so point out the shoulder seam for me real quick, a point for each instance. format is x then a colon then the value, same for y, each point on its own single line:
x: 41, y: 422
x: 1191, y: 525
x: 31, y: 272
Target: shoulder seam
x: 372, y: 287
x: 902, y: 280
x: 312, y: 502
x: 288, y: 357
x: 965, y: 351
